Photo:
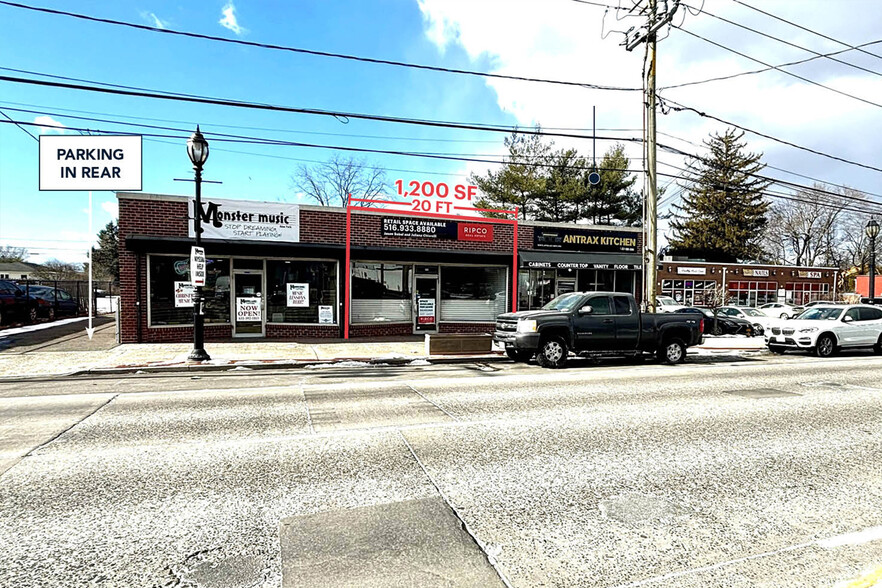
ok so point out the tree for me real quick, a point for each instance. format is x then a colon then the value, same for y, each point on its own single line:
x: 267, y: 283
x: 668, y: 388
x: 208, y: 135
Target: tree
x: 59, y: 270
x: 106, y: 257
x: 521, y: 182
x: 8, y: 253
x: 565, y: 186
x: 723, y: 212
x: 331, y: 183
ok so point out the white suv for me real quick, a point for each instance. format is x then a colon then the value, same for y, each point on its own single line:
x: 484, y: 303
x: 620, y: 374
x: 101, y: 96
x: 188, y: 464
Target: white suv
x: 781, y: 310
x: 827, y: 329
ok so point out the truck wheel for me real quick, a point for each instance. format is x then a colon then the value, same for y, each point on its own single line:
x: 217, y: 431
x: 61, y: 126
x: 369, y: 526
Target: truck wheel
x: 521, y: 355
x: 826, y: 346
x: 673, y: 352
x: 552, y: 353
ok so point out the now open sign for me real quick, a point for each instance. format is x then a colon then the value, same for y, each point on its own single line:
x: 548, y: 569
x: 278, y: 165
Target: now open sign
x: 90, y: 162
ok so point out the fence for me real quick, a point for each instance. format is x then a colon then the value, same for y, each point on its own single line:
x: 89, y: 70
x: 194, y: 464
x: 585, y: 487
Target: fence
x: 104, y: 293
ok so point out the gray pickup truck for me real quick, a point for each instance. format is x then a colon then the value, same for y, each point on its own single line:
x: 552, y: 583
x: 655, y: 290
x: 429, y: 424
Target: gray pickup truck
x: 595, y: 324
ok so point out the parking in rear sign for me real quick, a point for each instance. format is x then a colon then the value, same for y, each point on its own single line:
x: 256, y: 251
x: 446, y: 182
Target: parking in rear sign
x: 90, y: 162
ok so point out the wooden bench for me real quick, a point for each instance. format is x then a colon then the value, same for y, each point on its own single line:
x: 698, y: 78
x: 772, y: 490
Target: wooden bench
x: 454, y: 344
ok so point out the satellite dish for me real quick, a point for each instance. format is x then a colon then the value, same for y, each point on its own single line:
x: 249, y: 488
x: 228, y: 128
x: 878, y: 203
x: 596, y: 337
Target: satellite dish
x: 594, y: 178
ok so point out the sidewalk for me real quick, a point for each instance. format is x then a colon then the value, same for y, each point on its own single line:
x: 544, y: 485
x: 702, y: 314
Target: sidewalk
x: 76, y: 354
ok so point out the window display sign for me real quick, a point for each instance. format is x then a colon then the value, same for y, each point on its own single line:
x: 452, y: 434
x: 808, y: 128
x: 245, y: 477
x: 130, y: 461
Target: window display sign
x: 248, y: 221
x: 426, y: 311
x: 326, y: 315
x: 197, y: 266
x: 184, y: 294
x: 584, y: 240
x: 248, y: 310
x: 298, y: 295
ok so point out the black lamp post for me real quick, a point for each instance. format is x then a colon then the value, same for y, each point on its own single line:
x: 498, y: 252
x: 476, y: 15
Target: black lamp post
x: 872, y: 233
x: 197, y: 149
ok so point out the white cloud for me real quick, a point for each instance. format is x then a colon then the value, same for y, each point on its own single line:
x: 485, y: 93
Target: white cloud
x: 49, y: 123
x: 154, y: 20
x: 229, y: 20
x: 111, y: 207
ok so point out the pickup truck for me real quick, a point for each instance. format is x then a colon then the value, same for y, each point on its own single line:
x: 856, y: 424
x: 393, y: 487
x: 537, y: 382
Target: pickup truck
x: 595, y: 324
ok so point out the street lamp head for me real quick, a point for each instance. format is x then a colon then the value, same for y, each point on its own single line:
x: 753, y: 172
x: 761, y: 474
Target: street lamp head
x: 197, y: 148
x: 872, y: 229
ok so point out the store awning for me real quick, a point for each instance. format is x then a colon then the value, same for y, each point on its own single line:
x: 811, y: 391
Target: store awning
x: 579, y: 260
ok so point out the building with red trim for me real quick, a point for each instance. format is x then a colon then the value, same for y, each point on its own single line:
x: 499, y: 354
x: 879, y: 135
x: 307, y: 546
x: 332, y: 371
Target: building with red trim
x: 276, y: 270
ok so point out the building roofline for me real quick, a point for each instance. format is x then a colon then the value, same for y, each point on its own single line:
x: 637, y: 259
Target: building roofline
x: 757, y: 265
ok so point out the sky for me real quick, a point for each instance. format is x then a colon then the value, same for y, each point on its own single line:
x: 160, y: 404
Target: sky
x: 570, y: 40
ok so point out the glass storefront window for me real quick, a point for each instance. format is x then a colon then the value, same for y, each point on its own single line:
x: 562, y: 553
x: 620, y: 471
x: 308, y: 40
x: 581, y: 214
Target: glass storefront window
x: 171, y: 273
x: 805, y: 292
x: 473, y: 293
x: 536, y: 288
x: 312, y: 294
x: 752, y: 293
x: 381, y: 292
x: 690, y: 292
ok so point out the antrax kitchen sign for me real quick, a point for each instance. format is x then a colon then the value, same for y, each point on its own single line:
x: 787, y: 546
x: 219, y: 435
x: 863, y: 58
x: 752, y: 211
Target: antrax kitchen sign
x: 248, y: 221
x: 584, y: 240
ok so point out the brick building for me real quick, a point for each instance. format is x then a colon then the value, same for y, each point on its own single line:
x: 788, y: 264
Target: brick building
x: 692, y: 283
x: 276, y: 270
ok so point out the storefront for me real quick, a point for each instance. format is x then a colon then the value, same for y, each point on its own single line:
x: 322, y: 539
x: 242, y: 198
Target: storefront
x: 278, y: 271
x: 700, y: 283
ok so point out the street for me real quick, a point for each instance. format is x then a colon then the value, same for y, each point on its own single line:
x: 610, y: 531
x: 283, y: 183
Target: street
x: 744, y: 472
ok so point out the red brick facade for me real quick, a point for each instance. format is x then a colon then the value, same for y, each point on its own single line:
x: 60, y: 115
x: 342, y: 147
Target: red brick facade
x: 150, y: 218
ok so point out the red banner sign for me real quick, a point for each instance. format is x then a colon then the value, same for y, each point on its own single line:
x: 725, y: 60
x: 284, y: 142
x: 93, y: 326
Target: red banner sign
x: 473, y: 232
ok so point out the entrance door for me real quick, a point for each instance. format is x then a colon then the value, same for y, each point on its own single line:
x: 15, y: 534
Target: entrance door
x: 425, y: 303
x: 248, y: 305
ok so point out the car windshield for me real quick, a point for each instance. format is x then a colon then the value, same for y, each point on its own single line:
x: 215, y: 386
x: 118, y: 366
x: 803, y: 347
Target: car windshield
x: 820, y: 313
x: 752, y: 312
x: 564, y: 302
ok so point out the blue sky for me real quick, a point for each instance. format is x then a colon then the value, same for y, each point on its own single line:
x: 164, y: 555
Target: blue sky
x: 558, y: 39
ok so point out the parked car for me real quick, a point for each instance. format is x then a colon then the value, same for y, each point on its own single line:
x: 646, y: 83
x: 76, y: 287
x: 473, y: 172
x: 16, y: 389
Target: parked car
x: 721, y: 324
x: 53, y: 302
x: 15, y: 305
x: 781, y: 310
x: 825, y: 329
x: 595, y: 324
x: 667, y: 304
x: 761, y: 322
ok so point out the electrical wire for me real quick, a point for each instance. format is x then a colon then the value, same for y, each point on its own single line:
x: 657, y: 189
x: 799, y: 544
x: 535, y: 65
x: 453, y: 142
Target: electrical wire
x: 311, y: 52
x: 19, y: 126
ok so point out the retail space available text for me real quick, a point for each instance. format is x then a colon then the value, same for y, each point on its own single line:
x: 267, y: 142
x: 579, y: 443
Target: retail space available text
x: 446, y: 196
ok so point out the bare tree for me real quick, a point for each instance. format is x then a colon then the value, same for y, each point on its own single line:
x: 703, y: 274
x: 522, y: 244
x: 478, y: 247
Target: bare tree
x: 331, y: 183
x: 59, y: 270
x: 9, y: 253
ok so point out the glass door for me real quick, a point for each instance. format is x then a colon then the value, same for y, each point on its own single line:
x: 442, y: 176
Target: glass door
x: 425, y: 302
x: 249, y: 305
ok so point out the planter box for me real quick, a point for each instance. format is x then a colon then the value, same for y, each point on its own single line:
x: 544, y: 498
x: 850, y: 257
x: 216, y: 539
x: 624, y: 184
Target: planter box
x: 438, y: 344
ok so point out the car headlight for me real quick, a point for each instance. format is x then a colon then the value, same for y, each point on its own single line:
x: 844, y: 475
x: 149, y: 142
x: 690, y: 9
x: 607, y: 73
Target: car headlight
x: 525, y: 326
x: 809, y: 330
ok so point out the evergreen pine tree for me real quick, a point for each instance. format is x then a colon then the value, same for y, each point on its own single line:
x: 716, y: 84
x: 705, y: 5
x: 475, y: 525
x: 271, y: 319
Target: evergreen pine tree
x: 106, y: 256
x: 723, y: 212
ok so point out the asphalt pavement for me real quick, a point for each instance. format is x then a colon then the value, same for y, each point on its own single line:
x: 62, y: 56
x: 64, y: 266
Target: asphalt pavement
x: 743, y: 472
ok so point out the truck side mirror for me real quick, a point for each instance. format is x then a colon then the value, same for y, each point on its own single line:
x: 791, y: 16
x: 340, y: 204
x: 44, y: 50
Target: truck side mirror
x: 587, y: 309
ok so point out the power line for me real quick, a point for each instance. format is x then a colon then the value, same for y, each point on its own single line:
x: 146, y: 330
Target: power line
x: 784, y: 71
x: 765, y: 69
x: 791, y: 44
x: 814, y: 32
x: 19, y: 126
x: 312, y: 52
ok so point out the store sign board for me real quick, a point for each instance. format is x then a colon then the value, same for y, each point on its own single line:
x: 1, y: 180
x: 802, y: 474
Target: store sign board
x: 244, y: 220
x: 755, y: 273
x: 692, y: 271
x: 810, y: 275
x: 90, y: 162
x: 426, y: 311
x: 197, y: 266
x: 580, y: 265
x: 326, y: 315
x: 436, y: 229
x: 298, y: 295
x: 248, y: 310
x: 184, y: 295
x: 584, y: 240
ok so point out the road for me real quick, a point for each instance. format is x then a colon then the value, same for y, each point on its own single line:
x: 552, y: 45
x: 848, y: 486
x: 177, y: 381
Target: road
x: 739, y: 471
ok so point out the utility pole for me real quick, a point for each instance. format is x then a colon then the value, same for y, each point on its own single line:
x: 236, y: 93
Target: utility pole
x: 655, y: 22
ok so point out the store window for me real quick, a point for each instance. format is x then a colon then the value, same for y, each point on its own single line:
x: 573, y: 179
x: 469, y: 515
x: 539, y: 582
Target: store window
x: 536, y: 288
x: 301, y: 291
x: 170, y: 291
x: 752, y: 293
x: 805, y: 292
x: 690, y: 292
x: 381, y: 293
x: 473, y: 293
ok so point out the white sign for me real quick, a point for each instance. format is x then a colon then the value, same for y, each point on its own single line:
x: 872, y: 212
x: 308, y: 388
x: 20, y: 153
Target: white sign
x: 326, y: 315
x: 756, y: 273
x: 298, y: 295
x: 248, y: 310
x: 197, y: 266
x: 245, y: 220
x: 692, y: 271
x: 810, y: 275
x: 184, y: 295
x: 90, y: 162
x: 426, y: 311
